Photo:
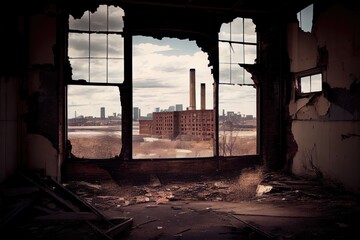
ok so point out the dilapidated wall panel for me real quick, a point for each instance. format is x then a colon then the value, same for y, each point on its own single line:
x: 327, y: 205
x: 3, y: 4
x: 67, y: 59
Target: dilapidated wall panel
x: 328, y: 149
x: 42, y: 39
x: 8, y: 126
x: 302, y: 48
x: 338, y: 29
x: 41, y: 154
x: 326, y: 124
x: 40, y: 114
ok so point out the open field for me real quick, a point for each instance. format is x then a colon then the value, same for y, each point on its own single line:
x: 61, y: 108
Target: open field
x: 106, y: 143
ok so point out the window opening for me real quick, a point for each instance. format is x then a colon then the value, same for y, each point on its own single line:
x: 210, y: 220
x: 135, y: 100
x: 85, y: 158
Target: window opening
x: 237, y: 92
x: 96, y: 46
x: 309, y: 81
x: 94, y: 121
x: 305, y: 18
x: 95, y: 51
x: 172, y: 99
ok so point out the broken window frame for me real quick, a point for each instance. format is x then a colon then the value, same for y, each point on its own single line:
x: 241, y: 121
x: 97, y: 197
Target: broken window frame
x: 299, y: 77
x: 241, y: 65
x: 243, y: 44
x: 89, y: 56
x: 106, y: 83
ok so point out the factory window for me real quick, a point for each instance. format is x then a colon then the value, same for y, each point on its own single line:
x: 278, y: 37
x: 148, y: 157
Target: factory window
x: 95, y: 51
x: 309, y: 81
x: 237, y: 91
x: 96, y: 46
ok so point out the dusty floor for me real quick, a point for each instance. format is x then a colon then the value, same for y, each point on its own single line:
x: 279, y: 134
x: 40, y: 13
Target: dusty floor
x: 251, y: 204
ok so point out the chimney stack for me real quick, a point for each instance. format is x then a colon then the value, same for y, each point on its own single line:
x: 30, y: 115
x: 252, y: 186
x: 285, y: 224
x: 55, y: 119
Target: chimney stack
x: 192, y: 90
x: 203, y: 102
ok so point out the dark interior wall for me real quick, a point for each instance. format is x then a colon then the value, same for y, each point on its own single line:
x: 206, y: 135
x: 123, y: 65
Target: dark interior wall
x: 271, y: 74
x: 30, y: 78
x: 11, y: 67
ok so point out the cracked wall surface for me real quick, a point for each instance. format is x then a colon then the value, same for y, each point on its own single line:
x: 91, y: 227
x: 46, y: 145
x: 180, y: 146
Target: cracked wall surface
x: 326, y: 124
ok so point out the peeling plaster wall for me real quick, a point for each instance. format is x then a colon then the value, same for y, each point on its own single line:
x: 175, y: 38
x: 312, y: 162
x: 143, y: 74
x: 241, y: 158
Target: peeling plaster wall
x: 41, y: 154
x: 328, y: 149
x: 41, y: 98
x: 326, y: 125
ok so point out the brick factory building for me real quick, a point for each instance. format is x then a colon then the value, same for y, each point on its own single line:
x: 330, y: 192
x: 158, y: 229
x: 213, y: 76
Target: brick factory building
x: 189, y: 124
x: 195, y: 124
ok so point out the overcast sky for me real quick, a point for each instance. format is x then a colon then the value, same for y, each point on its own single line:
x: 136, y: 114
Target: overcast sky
x: 160, y: 76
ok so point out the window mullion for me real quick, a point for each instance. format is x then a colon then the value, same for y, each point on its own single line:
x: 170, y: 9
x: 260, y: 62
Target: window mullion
x: 107, y: 44
x: 89, y: 45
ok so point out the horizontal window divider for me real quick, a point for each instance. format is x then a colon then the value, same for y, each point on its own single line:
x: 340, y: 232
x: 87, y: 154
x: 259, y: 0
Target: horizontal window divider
x: 95, y: 32
x: 110, y: 58
x: 244, y: 43
x: 85, y: 83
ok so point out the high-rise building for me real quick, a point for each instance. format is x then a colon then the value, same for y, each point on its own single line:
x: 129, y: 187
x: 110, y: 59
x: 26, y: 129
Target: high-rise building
x: 136, y: 113
x: 102, y: 112
x: 178, y: 107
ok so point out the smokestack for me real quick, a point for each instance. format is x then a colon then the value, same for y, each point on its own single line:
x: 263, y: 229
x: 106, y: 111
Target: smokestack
x: 203, y: 107
x: 192, y: 90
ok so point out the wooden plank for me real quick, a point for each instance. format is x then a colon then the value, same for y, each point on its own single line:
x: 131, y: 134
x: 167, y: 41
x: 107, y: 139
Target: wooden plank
x: 112, y: 231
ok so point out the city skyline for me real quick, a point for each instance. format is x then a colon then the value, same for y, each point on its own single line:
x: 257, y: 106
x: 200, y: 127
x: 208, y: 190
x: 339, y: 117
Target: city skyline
x: 103, y: 114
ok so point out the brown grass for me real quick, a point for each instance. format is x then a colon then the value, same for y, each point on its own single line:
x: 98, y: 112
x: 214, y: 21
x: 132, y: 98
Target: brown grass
x: 109, y: 146
x: 96, y: 147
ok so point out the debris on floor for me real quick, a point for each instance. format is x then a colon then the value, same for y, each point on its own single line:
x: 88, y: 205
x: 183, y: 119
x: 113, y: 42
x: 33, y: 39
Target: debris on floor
x: 37, y: 207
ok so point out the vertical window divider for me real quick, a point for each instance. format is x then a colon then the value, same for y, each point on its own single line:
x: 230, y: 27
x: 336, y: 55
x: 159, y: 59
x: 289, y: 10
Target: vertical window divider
x: 89, y: 45
x: 243, y: 45
x: 107, y: 44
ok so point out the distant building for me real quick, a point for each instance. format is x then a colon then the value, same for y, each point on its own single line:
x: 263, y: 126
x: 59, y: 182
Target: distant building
x: 136, y: 113
x: 191, y: 124
x: 102, y: 112
x: 146, y: 126
x: 195, y: 124
x: 178, y: 107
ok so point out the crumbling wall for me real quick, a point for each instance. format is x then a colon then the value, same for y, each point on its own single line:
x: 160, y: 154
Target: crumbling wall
x: 41, y: 99
x: 326, y: 124
x: 11, y: 65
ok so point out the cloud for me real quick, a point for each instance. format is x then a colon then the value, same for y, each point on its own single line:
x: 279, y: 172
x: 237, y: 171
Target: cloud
x: 87, y: 100
x: 149, y: 48
x: 165, y: 69
x: 160, y: 70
